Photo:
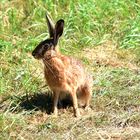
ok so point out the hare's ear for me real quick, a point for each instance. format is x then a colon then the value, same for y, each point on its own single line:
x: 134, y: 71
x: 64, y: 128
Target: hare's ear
x: 50, y: 26
x: 58, y: 30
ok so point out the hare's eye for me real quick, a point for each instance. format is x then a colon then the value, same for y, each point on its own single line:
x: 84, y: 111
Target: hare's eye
x: 45, y: 46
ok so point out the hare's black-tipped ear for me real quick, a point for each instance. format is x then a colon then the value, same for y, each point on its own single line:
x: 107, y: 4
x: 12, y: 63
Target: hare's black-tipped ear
x: 50, y: 26
x: 58, y: 30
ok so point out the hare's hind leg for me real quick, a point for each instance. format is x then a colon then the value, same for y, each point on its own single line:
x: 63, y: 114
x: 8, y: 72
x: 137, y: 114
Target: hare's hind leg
x: 55, y: 102
x: 86, y: 92
x: 75, y: 104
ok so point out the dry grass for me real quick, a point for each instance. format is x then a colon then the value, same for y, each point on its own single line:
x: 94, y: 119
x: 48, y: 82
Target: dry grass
x: 107, y: 54
x: 114, y: 110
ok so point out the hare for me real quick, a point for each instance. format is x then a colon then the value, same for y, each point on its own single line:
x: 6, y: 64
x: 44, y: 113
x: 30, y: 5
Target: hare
x: 63, y: 74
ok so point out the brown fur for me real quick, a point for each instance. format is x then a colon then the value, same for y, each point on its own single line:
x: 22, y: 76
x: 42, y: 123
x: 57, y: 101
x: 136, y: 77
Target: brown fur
x: 64, y: 75
x: 67, y: 75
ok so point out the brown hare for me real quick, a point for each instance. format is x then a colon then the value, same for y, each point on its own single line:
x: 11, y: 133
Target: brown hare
x: 63, y: 74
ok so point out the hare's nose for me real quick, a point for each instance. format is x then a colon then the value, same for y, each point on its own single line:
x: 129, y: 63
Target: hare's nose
x: 33, y: 53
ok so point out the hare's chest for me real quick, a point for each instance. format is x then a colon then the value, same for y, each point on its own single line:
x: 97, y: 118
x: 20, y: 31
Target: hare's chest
x: 54, y: 76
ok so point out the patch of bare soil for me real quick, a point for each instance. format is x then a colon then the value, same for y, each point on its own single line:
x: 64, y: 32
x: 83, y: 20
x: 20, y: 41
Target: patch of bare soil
x: 108, y: 54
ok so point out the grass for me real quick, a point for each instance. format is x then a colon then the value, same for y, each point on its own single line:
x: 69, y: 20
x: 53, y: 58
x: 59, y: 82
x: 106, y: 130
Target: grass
x: 105, y: 35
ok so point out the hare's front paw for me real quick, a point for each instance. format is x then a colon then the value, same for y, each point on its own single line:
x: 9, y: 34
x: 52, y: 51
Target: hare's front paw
x: 77, y: 113
x: 55, y: 113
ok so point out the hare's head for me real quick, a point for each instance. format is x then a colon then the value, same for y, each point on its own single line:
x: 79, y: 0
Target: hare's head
x: 55, y: 32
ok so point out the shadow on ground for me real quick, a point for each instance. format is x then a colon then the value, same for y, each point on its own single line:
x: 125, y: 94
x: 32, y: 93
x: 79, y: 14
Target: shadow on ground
x: 43, y: 102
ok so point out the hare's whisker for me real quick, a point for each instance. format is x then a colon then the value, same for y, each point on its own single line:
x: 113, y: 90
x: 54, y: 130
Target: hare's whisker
x: 48, y: 66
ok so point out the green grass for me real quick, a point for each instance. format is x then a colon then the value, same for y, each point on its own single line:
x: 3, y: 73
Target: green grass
x: 105, y: 35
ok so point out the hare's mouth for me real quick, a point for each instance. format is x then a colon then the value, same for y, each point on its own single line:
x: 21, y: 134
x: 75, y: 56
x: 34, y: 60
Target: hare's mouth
x: 37, y: 56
